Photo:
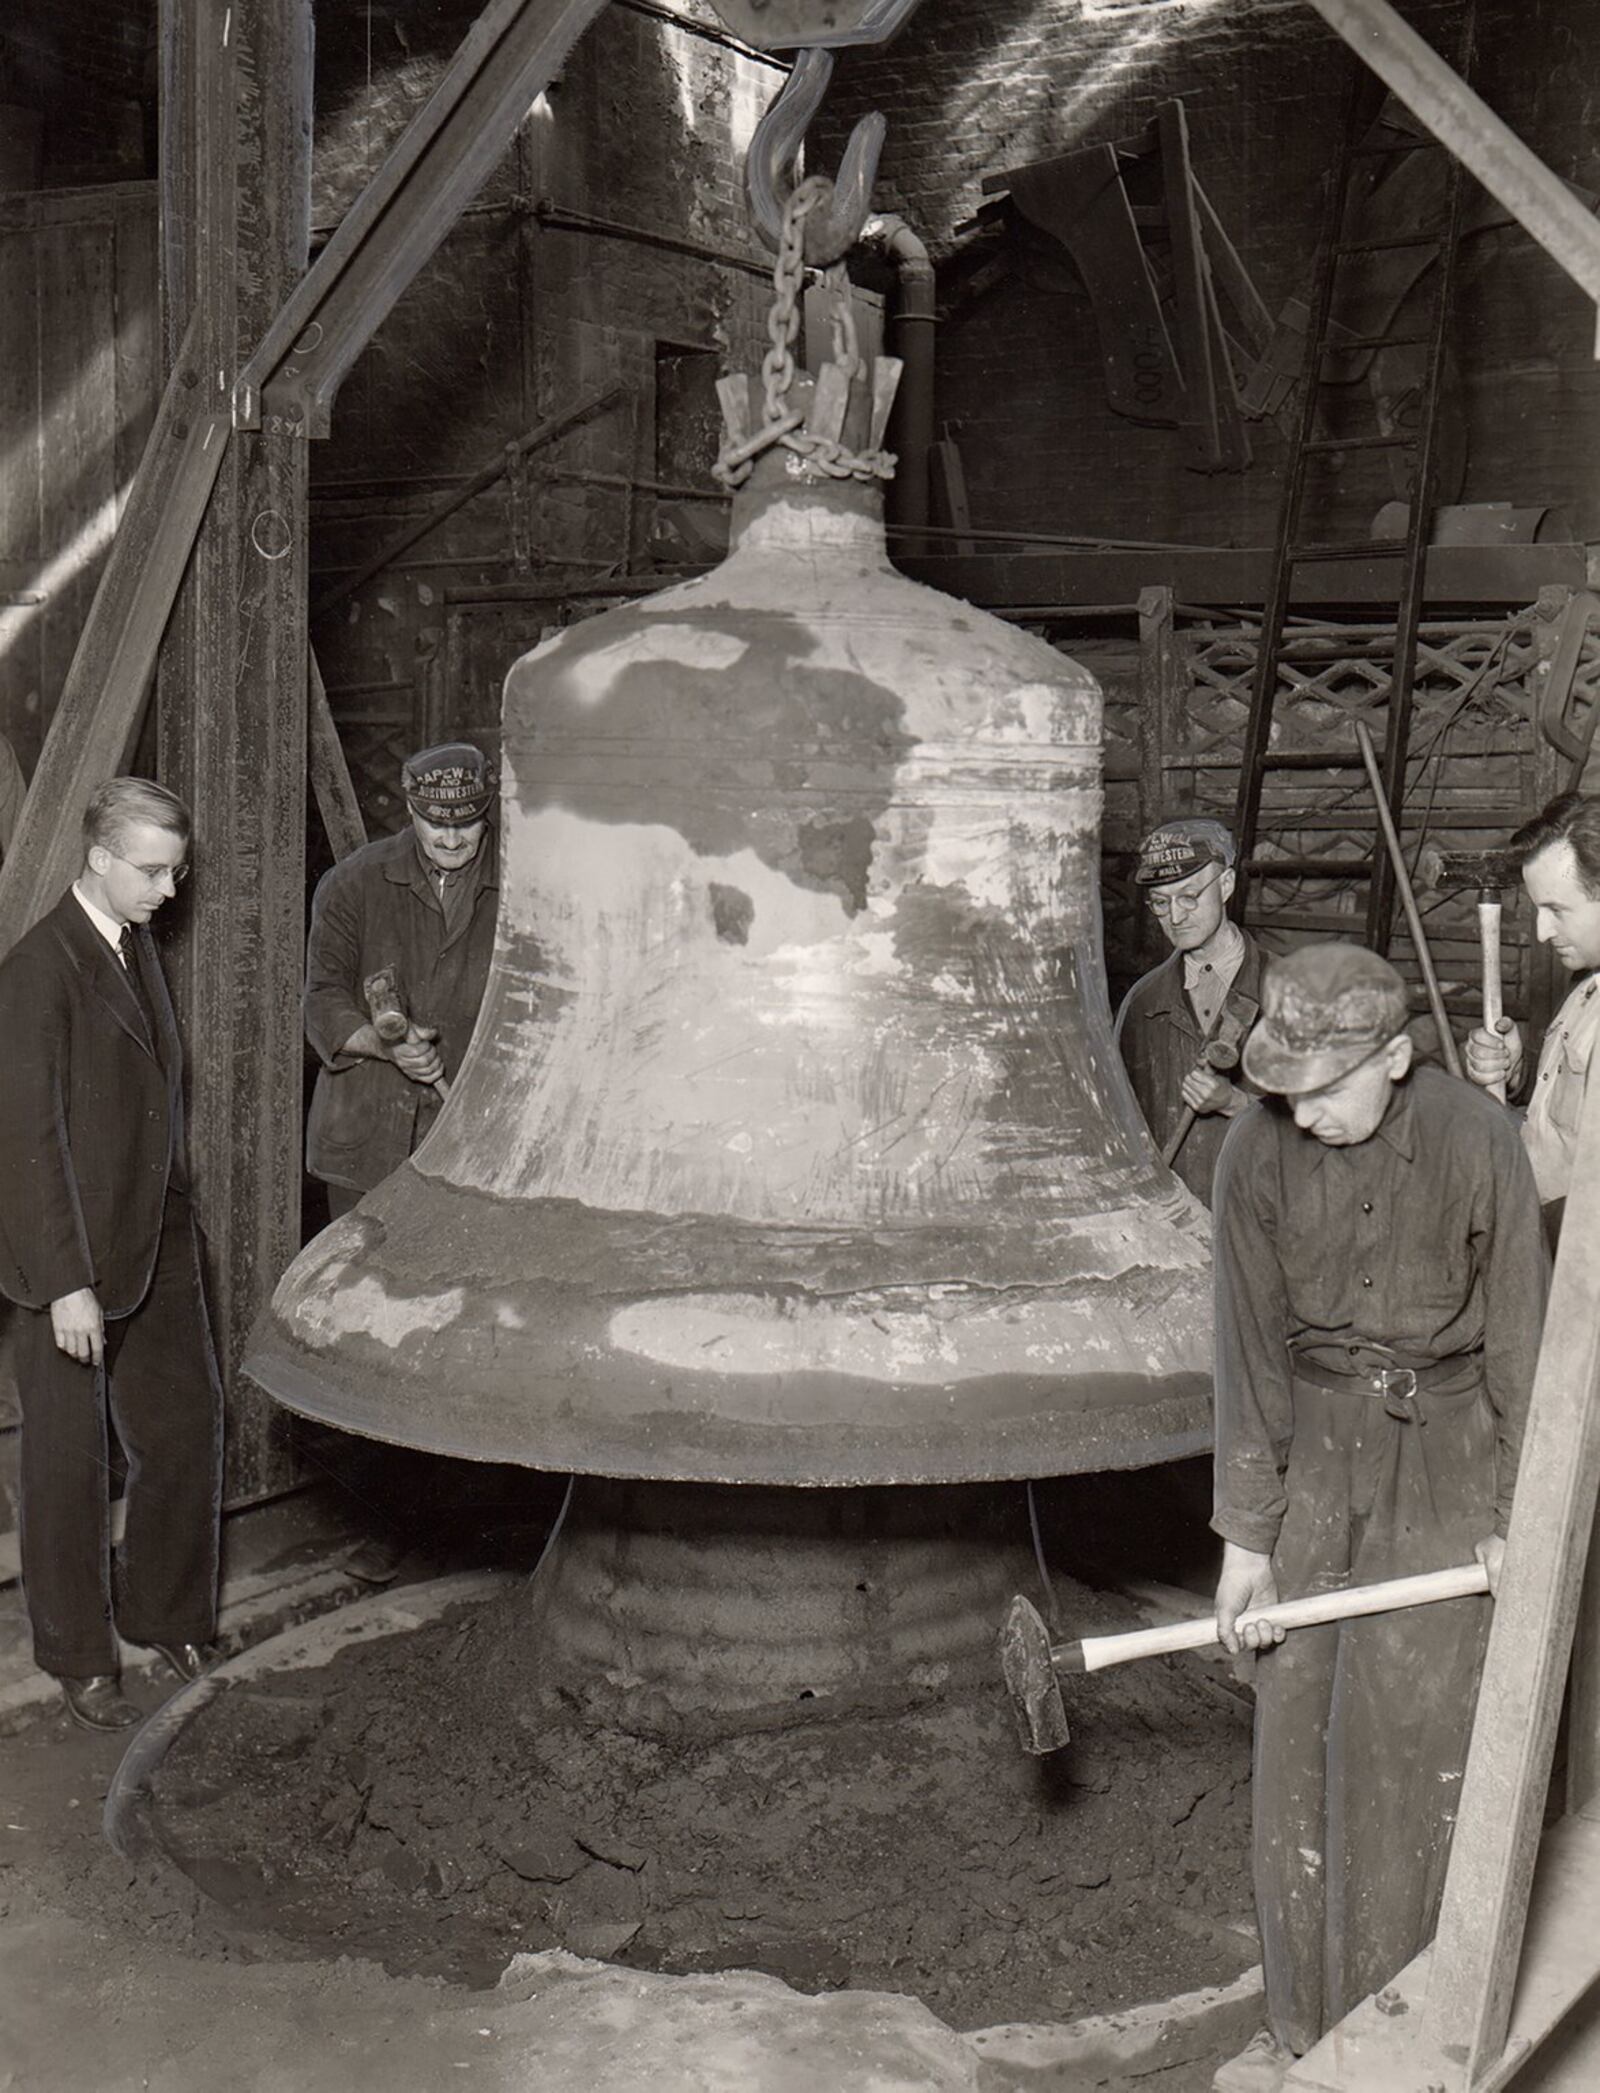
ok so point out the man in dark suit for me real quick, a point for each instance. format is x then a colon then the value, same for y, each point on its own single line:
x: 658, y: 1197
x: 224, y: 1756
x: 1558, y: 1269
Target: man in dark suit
x: 98, y: 1249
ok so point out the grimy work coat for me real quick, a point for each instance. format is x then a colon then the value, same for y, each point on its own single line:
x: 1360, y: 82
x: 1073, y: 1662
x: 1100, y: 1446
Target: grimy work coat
x: 378, y: 908
x: 1160, y: 1041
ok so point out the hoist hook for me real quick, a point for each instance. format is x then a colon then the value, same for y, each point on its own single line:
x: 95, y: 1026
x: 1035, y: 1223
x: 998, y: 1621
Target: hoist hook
x: 833, y: 230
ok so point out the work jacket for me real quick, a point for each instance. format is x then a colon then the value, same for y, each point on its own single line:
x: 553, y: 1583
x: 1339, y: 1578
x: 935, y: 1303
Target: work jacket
x: 1161, y: 1041
x: 378, y: 908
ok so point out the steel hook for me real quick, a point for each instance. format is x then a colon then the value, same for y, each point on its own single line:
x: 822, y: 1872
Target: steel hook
x: 769, y: 166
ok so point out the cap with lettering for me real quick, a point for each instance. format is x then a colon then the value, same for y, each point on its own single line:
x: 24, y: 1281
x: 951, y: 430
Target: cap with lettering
x: 1178, y: 848
x: 1324, y: 1009
x: 454, y: 782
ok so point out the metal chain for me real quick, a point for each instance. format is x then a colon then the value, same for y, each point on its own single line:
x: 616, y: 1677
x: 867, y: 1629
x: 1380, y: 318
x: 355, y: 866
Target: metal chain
x: 781, y: 424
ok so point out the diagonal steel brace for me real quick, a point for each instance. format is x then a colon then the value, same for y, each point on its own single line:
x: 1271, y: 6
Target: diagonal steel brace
x: 1489, y: 149
x: 507, y: 59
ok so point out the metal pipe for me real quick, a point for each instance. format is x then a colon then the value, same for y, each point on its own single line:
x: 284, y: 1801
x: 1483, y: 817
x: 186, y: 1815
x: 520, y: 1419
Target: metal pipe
x: 1490, y: 150
x: 1408, y: 900
x: 911, y: 432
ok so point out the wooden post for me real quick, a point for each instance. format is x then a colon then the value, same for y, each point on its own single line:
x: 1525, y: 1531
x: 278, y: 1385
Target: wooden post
x: 232, y: 720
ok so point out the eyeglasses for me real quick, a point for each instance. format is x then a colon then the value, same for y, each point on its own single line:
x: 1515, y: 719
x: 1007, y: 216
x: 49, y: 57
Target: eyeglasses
x: 1176, y: 905
x: 153, y: 875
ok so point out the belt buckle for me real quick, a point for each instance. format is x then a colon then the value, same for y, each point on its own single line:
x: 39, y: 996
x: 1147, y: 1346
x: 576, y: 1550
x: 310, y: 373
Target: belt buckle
x: 1399, y: 1401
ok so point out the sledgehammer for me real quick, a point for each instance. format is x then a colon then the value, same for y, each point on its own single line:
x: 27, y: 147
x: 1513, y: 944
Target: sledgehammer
x: 1034, y: 1666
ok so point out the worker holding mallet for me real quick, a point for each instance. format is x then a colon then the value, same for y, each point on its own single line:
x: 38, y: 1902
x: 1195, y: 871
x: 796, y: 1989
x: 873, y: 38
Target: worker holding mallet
x: 1182, y: 1026
x: 1558, y: 857
x: 1380, y: 1285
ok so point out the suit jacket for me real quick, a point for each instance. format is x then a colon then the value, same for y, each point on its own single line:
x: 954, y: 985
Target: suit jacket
x: 91, y: 1115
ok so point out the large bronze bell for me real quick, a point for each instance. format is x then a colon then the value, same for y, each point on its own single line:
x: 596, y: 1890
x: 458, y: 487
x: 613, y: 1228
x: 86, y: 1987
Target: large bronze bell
x: 792, y: 1146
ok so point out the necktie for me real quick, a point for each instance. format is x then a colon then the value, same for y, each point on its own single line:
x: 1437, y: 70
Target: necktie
x: 130, y: 961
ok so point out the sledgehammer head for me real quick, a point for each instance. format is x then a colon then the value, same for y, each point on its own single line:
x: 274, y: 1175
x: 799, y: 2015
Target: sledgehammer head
x: 1031, y: 1680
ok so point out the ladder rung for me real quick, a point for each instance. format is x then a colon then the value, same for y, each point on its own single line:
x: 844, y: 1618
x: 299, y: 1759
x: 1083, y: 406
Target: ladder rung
x: 1377, y: 341
x: 1313, y: 759
x: 1405, y: 145
x: 1341, y: 923
x: 1360, y: 443
x: 1359, y: 549
x: 1309, y: 868
x: 1433, y: 239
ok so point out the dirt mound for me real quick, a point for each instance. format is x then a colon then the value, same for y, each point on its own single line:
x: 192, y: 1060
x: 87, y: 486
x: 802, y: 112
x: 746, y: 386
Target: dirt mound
x: 439, y: 1805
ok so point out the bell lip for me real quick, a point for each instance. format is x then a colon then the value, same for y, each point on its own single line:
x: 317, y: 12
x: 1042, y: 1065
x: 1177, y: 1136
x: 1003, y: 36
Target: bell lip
x: 694, y: 1448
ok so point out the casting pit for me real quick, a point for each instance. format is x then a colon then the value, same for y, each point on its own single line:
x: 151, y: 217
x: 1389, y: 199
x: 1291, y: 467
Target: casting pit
x: 444, y: 1799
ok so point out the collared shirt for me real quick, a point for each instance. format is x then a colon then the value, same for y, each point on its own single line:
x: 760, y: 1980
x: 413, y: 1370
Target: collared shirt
x: 1208, y: 975
x: 108, y: 926
x: 1550, y: 1130
x: 1424, y: 1238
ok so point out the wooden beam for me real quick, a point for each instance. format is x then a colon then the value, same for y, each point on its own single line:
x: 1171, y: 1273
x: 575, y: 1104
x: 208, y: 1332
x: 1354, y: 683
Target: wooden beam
x: 102, y: 704
x: 232, y: 716
x: 509, y: 56
x: 330, y: 773
x: 1511, y: 575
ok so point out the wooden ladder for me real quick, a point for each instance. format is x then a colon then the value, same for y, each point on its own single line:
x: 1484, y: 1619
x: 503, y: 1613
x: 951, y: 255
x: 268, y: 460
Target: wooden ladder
x: 1296, y: 546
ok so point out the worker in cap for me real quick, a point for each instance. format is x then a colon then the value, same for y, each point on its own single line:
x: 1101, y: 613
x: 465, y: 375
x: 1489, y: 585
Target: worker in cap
x: 419, y: 908
x: 1380, y: 1284
x: 1182, y: 1026
x: 1558, y: 855
x: 420, y: 905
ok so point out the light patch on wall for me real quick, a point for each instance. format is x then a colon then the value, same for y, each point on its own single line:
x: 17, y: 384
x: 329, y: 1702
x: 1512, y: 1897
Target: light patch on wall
x: 60, y: 572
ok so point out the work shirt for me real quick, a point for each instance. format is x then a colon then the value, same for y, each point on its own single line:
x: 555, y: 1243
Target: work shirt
x: 1550, y: 1129
x: 1425, y: 1238
x: 1207, y: 979
x: 379, y: 908
x: 1161, y: 1038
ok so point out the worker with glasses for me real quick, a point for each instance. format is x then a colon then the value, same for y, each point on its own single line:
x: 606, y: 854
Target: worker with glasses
x: 1182, y: 1027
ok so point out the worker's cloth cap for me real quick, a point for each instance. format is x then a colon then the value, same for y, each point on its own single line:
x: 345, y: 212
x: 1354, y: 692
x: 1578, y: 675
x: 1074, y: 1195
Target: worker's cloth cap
x: 1178, y: 848
x: 454, y: 782
x: 1324, y: 1009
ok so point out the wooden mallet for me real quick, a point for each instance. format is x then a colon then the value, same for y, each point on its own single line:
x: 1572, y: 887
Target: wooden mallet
x: 1034, y: 1667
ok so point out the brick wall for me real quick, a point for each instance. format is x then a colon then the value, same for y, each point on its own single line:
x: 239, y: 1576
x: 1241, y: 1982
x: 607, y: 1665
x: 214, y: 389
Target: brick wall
x: 524, y: 310
x: 974, y: 89
x: 88, y: 68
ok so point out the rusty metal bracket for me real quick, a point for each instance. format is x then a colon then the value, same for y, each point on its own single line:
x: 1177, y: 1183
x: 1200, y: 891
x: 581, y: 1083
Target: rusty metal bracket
x: 1489, y: 149
x: 507, y: 59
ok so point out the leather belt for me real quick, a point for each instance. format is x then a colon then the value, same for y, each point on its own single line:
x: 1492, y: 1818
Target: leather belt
x: 1376, y: 1371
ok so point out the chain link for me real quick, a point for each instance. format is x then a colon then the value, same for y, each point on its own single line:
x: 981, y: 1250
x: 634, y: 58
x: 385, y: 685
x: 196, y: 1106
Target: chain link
x: 781, y: 424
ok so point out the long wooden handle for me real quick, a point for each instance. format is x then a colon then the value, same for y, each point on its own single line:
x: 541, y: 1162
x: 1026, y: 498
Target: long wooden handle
x: 1097, y: 1652
x: 1408, y: 901
x: 1493, y: 991
x: 1179, y: 1134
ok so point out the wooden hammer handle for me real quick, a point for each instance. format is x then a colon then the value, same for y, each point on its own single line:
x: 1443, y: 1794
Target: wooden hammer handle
x: 1097, y: 1652
x: 1493, y: 990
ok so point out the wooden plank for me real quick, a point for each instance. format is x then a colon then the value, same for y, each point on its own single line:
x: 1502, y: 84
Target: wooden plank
x: 1231, y: 276
x: 77, y: 317
x: 21, y: 487
x: 330, y: 773
x: 232, y: 716
x: 96, y: 722
x: 1195, y: 353
x: 1473, y: 574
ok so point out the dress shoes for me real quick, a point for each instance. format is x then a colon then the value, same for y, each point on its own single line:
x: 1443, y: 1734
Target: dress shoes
x: 187, y: 1659
x: 98, y: 1703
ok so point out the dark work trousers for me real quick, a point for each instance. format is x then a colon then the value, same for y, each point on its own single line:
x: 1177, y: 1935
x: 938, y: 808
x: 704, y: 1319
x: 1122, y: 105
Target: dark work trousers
x: 1362, y: 1726
x: 161, y: 1386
